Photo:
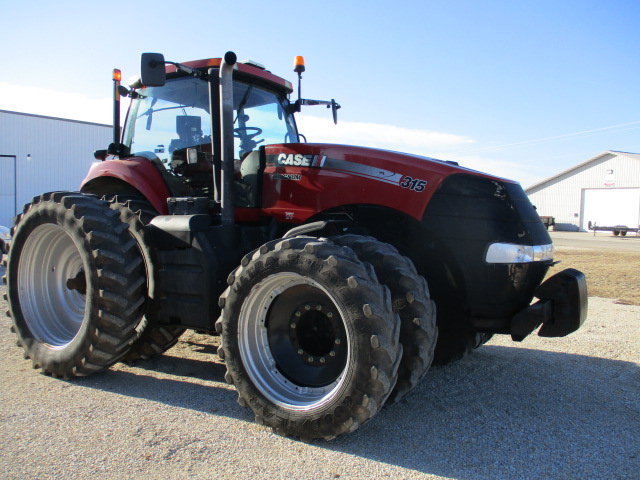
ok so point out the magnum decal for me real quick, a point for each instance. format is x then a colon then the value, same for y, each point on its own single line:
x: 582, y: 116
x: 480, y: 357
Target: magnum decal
x: 286, y: 176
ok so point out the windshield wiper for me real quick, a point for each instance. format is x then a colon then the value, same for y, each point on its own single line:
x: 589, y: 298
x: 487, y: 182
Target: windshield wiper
x: 243, y: 102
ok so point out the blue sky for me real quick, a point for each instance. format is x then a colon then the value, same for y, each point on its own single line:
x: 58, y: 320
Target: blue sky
x: 517, y: 89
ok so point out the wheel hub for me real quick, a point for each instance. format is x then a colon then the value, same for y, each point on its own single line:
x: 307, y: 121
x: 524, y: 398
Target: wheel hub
x: 78, y: 283
x: 305, y: 335
x: 314, y: 332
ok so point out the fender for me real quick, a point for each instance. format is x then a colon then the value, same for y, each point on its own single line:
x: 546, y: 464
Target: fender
x: 138, y: 172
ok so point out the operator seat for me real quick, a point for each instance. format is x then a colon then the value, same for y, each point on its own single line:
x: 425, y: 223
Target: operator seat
x: 247, y: 185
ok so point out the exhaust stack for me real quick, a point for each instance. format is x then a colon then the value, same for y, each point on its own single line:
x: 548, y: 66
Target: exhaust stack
x: 226, y: 136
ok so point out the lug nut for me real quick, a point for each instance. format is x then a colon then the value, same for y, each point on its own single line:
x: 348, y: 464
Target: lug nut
x: 300, y: 352
x: 332, y: 353
x: 293, y: 325
x: 298, y: 313
x: 337, y: 341
x: 310, y: 359
x: 307, y: 307
x: 322, y: 360
x: 329, y: 314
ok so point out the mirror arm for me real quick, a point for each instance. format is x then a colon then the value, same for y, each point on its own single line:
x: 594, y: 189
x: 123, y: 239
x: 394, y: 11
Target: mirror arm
x: 189, y: 71
x: 333, y: 105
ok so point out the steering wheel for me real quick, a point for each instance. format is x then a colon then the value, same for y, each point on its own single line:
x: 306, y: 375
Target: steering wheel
x: 246, y: 136
x: 247, y: 132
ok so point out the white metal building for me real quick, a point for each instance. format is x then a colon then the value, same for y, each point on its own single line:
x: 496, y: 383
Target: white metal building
x: 604, y: 190
x: 42, y: 154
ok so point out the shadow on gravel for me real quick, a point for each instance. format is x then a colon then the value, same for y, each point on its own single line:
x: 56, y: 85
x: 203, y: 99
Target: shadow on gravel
x: 502, y: 412
x: 139, y: 381
x: 512, y: 413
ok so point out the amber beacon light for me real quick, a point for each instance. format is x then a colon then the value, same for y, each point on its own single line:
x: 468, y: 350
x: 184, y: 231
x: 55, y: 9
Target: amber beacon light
x: 298, y: 64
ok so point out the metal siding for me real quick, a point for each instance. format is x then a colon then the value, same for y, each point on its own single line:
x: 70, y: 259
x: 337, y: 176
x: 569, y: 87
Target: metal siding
x: 7, y: 189
x: 562, y: 197
x: 61, y: 152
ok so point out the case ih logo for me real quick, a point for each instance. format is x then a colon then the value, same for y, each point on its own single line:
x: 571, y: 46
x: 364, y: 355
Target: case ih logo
x: 302, y: 160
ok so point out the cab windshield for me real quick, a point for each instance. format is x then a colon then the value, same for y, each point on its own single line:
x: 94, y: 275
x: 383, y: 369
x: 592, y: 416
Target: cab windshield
x: 164, y: 121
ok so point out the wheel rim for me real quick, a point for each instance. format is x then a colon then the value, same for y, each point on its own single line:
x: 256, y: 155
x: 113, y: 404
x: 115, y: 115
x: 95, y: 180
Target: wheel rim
x: 52, y: 286
x: 293, y: 341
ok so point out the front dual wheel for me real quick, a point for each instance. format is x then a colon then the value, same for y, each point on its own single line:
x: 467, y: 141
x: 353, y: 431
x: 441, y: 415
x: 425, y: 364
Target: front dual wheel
x: 309, y: 337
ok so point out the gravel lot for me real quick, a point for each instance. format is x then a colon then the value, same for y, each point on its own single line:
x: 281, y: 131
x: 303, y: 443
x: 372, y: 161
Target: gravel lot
x: 546, y: 408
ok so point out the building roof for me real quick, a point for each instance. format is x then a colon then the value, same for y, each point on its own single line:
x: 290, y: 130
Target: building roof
x: 56, y: 118
x: 586, y: 162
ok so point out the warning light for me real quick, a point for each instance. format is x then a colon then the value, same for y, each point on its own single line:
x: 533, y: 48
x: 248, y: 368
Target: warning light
x: 117, y: 75
x: 298, y: 64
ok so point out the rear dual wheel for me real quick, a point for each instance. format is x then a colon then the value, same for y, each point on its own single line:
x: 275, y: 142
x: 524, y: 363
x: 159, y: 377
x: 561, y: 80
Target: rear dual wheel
x: 75, y: 284
x: 151, y: 339
x: 309, y: 338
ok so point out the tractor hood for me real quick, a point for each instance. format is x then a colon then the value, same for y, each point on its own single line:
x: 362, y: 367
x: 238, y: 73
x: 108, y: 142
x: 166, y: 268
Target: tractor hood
x: 303, y: 179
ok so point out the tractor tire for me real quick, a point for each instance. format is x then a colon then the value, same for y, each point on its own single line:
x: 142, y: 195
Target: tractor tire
x: 410, y: 300
x: 309, y: 338
x: 482, y: 339
x: 75, y: 284
x: 152, y: 339
x: 456, y: 340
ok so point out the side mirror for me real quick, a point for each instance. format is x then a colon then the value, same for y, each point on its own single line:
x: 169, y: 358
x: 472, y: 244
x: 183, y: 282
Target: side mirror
x: 152, y: 70
x: 334, y: 111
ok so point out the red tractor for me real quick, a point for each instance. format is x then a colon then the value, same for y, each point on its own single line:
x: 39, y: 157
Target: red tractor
x: 335, y: 275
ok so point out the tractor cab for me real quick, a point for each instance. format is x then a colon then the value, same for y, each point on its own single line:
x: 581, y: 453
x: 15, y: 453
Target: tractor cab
x: 171, y: 125
x: 197, y: 132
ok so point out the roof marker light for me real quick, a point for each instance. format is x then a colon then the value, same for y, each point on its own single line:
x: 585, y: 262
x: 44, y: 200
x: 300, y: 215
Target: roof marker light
x: 253, y: 63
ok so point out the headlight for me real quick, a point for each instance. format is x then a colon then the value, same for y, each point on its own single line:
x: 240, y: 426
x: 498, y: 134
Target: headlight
x: 512, y: 253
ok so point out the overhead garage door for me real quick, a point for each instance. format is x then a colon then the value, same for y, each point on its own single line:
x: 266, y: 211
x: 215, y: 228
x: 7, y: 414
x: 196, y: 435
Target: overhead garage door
x: 611, y: 206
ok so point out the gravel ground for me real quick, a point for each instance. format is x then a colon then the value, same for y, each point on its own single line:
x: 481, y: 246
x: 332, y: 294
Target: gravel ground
x: 546, y: 408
